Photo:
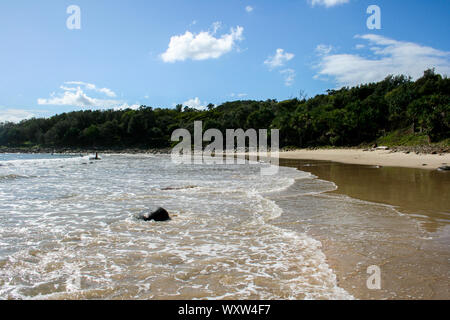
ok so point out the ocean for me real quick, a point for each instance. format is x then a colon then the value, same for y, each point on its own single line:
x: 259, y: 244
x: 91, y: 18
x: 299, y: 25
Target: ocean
x: 68, y: 230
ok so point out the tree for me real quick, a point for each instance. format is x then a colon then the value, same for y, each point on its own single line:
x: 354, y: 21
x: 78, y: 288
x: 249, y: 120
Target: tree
x: 90, y: 135
x: 347, y: 116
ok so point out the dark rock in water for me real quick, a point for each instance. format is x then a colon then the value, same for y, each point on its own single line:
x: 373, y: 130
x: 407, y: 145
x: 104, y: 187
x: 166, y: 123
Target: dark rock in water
x: 178, y: 188
x: 444, y: 168
x: 159, y: 215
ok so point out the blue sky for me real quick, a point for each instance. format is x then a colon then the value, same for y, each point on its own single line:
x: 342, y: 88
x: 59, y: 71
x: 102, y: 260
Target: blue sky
x: 195, y: 52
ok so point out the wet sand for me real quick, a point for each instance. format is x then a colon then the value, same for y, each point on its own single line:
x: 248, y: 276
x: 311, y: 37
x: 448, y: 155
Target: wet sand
x: 370, y: 157
x: 405, y: 230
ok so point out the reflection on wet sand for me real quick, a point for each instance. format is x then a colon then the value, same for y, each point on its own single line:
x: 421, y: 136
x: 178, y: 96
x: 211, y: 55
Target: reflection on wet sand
x: 424, y: 194
x: 410, y: 244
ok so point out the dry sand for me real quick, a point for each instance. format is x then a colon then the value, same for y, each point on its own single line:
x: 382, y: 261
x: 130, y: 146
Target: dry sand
x: 378, y: 157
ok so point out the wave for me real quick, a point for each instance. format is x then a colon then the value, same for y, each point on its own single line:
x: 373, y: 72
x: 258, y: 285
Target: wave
x: 265, y: 212
x: 38, y: 162
x: 224, y: 233
x: 13, y: 177
x: 178, y: 188
x: 268, y: 212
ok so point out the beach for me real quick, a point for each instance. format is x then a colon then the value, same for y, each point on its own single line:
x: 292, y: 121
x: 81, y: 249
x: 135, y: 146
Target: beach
x: 398, y: 220
x: 309, y: 232
x: 372, y: 157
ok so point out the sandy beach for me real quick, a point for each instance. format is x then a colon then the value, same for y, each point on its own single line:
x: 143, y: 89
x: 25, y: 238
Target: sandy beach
x: 310, y: 233
x: 383, y: 158
x: 401, y: 225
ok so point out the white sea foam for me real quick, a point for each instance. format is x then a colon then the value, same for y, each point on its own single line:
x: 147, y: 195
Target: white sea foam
x: 43, y: 162
x: 70, y: 232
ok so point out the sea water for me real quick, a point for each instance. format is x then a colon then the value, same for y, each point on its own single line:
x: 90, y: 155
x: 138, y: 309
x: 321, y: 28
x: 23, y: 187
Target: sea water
x: 68, y: 230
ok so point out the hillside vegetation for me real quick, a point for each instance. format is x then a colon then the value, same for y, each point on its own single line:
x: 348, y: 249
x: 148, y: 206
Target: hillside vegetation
x: 396, y: 111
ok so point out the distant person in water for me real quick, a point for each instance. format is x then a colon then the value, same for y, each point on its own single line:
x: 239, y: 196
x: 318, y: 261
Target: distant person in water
x: 96, y: 157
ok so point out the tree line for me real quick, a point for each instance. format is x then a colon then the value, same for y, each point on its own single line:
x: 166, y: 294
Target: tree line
x: 344, y: 117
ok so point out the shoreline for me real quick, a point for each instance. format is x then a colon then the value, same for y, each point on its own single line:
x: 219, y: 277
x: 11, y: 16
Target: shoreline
x: 368, y: 157
x: 4, y: 150
x: 382, y: 158
x: 406, y: 232
x: 420, y: 242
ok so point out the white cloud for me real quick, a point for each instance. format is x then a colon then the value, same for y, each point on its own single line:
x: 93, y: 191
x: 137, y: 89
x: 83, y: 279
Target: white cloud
x: 249, y: 9
x: 14, y: 115
x: 195, y: 103
x: 76, y: 96
x: 388, y: 56
x: 90, y: 86
x: 279, y: 59
x: 201, y: 46
x: 323, y: 49
x: 289, y: 76
x: 328, y: 3
x: 239, y: 95
x: 127, y: 106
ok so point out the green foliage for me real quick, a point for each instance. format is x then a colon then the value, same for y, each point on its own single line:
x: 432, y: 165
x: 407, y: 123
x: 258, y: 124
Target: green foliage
x: 395, y: 111
x: 403, y: 138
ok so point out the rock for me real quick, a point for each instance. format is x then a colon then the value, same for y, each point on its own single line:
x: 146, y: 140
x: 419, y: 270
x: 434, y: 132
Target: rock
x: 382, y: 148
x: 178, y: 188
x: 444, y: 168
x: 159, y: 215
